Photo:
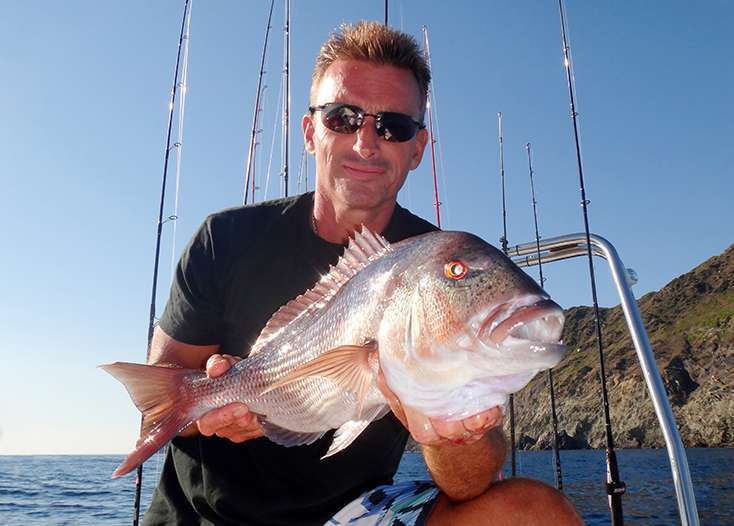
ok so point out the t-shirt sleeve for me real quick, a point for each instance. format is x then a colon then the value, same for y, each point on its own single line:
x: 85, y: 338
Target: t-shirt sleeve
x: 193, y: 313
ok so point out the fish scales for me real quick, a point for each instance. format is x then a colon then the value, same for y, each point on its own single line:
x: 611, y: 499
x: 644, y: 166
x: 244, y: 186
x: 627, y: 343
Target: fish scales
x: 456, y: 324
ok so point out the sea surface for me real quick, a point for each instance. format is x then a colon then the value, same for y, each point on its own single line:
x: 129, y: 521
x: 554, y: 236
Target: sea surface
x: 77, y: 490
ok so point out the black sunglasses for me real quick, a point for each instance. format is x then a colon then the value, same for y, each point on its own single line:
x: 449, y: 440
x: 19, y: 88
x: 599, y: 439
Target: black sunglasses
x: 346, y: 118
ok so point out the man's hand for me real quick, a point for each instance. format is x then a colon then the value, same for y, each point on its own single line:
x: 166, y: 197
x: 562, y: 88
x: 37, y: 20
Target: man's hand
x: 433, y: 432
x: 233, y: 421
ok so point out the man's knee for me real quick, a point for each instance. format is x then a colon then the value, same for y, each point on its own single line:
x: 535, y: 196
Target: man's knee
x: 515, y: 501
x: 539, y: 502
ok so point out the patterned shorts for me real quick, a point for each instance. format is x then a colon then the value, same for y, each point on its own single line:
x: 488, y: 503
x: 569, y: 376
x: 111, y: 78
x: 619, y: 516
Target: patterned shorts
x: 403, y: 504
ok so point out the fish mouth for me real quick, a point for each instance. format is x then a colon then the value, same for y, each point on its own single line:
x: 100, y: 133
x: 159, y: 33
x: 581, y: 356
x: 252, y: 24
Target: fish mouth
x: 539, y: 322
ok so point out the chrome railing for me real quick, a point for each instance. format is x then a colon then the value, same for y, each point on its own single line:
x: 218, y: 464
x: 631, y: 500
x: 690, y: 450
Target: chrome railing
x: 574, y: 245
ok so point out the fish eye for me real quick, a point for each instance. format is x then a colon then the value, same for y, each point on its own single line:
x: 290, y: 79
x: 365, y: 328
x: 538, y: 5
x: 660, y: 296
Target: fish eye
x: 455, y: 269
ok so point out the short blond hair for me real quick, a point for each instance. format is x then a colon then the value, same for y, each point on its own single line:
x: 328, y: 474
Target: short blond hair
x: 377, y: 44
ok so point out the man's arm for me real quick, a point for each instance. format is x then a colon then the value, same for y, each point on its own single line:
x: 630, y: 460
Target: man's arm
x: 233, y: 421
x: 465, y: 456
x: 165, y: 350
x: 465, y: 471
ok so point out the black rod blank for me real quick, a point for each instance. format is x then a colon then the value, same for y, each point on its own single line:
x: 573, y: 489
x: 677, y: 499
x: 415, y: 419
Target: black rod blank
x: 615, y: 487
x: 503, y: 241
x: 159, y: 231
x: 554, y: 417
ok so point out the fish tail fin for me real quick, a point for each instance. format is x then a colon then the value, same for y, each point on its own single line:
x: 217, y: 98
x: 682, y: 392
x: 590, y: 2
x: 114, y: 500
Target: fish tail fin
x: 157, y: 392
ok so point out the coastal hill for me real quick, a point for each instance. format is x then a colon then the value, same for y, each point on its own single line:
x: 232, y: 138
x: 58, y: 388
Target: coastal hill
x: 690, y: 323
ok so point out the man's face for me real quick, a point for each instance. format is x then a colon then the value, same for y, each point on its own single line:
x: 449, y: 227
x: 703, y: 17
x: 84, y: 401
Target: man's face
x: 362, y: 170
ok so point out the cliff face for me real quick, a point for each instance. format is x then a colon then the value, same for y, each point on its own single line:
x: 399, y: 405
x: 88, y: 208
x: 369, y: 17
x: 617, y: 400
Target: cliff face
x: 690, y: 323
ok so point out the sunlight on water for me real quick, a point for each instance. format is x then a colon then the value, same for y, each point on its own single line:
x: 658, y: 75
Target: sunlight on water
x: 78, y: 490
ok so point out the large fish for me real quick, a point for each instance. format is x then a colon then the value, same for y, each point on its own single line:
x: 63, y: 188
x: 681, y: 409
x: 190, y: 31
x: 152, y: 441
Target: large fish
x: 456, y: 325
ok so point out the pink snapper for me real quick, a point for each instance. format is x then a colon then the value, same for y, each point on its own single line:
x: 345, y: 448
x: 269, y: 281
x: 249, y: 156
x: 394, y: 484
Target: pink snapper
x: 454, y: 325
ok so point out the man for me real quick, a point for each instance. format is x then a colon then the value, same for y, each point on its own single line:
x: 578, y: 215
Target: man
x: 364, y: 128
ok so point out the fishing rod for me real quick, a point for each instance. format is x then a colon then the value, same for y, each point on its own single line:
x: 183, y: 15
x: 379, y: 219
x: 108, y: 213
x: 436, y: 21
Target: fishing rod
x: 257, y: 143
x: 303, y: 172
x: 251, y: 150
x: 501, y: 139
x: 279, y: 98
x: 615, y: 487
x: 429, y: 108
x: 286, y: 92
x: 253, y: 186
x: 183, y: 85
x: 554, y: 417
x: 386, y: 6
x: 503, y: 241
x: 159, y: 233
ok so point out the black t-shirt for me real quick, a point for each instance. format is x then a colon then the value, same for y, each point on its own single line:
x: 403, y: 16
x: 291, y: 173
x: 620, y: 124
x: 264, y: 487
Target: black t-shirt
x: 239, y: 268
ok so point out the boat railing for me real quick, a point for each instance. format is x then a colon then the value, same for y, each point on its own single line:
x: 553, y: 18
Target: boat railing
x: 575, y: 245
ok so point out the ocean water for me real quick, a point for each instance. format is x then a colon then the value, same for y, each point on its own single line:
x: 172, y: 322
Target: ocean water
x: 77, y: 490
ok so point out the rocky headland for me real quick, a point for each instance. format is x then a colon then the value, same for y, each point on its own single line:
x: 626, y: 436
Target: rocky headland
x: 690, y: 323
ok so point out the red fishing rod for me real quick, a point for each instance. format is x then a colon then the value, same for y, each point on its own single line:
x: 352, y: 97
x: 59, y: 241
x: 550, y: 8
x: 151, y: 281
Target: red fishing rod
x: 429, y: 109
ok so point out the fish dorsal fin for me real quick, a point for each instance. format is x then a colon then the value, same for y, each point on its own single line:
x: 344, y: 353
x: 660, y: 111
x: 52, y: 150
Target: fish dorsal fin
x: 364, y: 247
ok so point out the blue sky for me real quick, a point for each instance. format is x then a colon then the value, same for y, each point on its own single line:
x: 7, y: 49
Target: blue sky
x: 84, y: 97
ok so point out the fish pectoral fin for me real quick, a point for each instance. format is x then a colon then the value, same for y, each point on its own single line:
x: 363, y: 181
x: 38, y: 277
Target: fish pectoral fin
x: 348, y: 366
x: 349, y: 431
x: 286, y: 437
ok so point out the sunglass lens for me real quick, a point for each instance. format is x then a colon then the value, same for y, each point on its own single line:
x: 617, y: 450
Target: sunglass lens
x: 345, y: 118
x: 396, y: 127
x: 342, y: 119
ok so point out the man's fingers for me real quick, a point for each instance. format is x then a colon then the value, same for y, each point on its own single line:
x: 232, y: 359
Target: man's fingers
x: 469, y: 429
x: 420, y: 427
x: 451, y: 430
x: 233, y: 421
x: 218, y: 364
x: 476, y: 423
x: 429, y: 431
x: 484, y: 421
x: 218, y: 419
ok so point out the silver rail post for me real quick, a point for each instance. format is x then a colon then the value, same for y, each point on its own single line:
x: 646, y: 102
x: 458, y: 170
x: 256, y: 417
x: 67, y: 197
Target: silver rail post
x: 574, y: 245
